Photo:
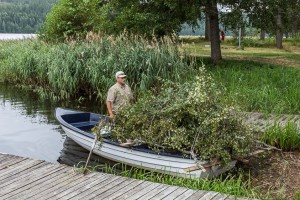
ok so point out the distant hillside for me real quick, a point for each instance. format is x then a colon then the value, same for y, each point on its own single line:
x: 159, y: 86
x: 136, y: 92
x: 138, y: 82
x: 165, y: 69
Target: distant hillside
x: 23, y: 16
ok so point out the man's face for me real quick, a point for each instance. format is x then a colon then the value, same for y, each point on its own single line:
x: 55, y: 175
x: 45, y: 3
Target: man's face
x: 121, y: 80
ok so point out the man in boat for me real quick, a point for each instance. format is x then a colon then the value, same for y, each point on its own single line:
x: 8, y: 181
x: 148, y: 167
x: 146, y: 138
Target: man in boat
x: 119, y: 95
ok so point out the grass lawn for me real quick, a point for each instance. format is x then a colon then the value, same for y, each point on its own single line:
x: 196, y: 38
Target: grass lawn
x: 255, y: 51
x: 257, y: 79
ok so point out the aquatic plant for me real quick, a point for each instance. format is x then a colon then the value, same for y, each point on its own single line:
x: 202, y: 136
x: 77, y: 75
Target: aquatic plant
x: 86, y: 68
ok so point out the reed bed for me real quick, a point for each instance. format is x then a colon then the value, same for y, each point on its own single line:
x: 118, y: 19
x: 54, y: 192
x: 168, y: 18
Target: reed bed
x: 86, y: 68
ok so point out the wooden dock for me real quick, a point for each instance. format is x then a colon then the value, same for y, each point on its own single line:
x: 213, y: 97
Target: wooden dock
x: 25, y: 178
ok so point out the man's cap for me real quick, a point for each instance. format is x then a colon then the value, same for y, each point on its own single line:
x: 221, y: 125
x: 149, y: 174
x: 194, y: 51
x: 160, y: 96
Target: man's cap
x: 120, y: 74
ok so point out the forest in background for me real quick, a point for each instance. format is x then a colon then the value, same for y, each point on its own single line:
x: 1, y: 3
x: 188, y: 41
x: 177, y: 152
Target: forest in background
x: 23, y: 16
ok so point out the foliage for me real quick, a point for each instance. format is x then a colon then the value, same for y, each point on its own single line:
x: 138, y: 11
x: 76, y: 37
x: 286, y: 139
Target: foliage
x: 21, y: 16
x: 70, y: 18
x: 284, y: 137
x: 75, y: 69
x: 186, y: 117
x: 162, y: 17
x: 263, y: 14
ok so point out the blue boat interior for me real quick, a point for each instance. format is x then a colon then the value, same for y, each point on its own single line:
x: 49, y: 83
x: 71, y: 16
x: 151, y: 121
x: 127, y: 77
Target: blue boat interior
x: 83, y: 121
x: 86, y: 121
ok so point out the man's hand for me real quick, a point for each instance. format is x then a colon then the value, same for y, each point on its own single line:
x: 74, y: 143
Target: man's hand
x: 111, y: 116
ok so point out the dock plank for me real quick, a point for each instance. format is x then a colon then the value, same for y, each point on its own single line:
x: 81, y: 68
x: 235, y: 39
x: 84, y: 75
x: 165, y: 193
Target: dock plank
x: 69, y: 183
x: 165, y: 192
x: 11, y: 162
x: 106, y: 195
x: 27, y: 189
x: 134, y: 190
x: 185, y: 195
x: 74, y: 190
x: 209, y: 195
x: 126, y: 190
x: 197, y: 195
x: 111, y: 183
x: 9, y: 159
x: 143, y: 191
x: 151, y: 193
x: 60, y: 186
x: 42, y: 173
x: 220, y: 197
x: 20, y: 167
x: 25, y: 178
x: 56, y: 179
x: 19, y: 173
x: 175, y: 193
x: 88, y: 188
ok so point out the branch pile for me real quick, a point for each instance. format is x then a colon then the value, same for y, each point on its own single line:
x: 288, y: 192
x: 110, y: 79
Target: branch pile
x: 187, y: 117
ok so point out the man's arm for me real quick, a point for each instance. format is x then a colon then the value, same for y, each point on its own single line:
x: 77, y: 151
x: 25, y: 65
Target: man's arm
x: 109, y: 108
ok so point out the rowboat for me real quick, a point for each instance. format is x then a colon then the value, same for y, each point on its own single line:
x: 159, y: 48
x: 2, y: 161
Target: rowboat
x: 78, y: 124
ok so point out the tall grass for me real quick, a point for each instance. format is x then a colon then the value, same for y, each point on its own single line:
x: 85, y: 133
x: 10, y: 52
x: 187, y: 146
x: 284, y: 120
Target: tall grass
x: 259, y: 87
x: 285, y: 137
x: 71, y: 69
x: 233, y: 185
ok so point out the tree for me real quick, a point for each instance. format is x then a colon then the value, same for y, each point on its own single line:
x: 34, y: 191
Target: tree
x: 69, y: 18
x: 213, y: 18
x: 162, y: 17
x: 23, y: 16
x: 275, y: 17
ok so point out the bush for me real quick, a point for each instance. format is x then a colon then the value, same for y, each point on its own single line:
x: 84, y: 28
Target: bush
x: 186, y: 117
x: 69, y: 18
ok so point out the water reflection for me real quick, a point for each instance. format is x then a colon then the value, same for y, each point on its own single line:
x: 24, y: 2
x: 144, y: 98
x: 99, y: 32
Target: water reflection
x: 28, y: 127
x: 74, y: 155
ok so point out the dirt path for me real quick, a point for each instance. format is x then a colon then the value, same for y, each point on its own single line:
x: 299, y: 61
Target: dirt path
x: 275, y: 173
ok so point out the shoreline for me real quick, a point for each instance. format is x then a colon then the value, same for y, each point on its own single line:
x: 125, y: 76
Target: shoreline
x: 17, y: 36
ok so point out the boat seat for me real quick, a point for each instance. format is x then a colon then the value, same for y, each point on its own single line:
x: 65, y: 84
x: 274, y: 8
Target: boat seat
x: 85, y: 125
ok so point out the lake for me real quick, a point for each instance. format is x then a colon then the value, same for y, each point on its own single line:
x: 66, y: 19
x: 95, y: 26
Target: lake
x: 29, y: 129
x: 16, y: 36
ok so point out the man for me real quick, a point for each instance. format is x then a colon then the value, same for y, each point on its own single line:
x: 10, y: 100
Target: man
x: 223, y: 35
x: 119, y: 95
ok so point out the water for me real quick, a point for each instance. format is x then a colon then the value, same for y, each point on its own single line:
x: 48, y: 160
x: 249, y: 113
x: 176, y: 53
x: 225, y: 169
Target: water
x: 28, y: 128
x: 16, y: 36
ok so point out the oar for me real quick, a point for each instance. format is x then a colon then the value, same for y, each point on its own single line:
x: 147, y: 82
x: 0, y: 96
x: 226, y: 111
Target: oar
x: 92, y: 148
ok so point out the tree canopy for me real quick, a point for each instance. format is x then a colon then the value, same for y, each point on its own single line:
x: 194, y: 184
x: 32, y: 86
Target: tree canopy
x: 158, y: 18
x: 23, y: 16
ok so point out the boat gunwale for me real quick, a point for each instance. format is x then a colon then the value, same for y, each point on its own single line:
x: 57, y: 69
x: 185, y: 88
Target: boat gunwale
x: 92, y: 136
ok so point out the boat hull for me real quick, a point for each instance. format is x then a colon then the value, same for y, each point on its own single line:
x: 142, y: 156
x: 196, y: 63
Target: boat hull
x: 155, y: 162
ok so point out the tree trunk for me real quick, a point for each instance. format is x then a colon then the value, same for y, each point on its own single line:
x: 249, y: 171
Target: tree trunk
x: 279, y: 28
x: 207, y: 28
x: 262, y: 35
x: 211, y: 8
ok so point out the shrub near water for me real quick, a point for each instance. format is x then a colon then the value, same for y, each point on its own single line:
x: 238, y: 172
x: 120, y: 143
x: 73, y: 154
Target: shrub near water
x: 186, y: 117
x: 87, y: 68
